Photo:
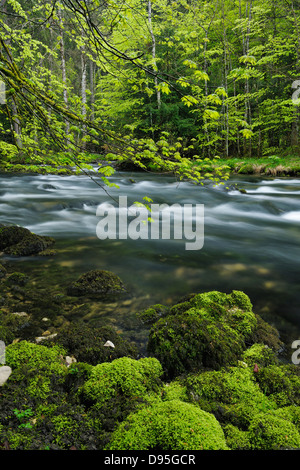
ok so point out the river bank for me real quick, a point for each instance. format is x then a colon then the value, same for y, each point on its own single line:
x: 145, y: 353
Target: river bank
x: 273, y: 165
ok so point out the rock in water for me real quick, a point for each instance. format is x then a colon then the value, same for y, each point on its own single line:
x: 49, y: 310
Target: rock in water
x: 97, y: 283
x: 5, y: 372
x: 19, y: 241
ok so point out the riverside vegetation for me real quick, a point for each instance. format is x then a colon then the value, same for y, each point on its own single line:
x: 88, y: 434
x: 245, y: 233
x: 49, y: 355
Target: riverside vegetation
x: 214, y: 376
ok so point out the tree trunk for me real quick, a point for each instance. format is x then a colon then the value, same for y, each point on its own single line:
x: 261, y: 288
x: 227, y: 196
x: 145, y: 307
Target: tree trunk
x: 83, y: 91
x: 158, y: 96
x: 63, y: 66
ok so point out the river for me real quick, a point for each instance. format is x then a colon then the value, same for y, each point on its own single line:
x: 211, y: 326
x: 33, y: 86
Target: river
x: 251, y: 242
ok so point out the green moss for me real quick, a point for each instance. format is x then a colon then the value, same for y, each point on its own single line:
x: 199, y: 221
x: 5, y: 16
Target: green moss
x: 281, y: 383
x: 86, y: 343
x: 35, y: 367
x: 259, y: 354
x: 290, y: 413
x: 152, y: 314
x: 174, y: 391
x: 267, y: 432
x: 129, y: 378
x: 187, y: 342
x: 235, y: 438
x: 171, y: 425
x: 17, y: 278
x: 97, y: 282
x: 230, y: 386
x: 209, y: 330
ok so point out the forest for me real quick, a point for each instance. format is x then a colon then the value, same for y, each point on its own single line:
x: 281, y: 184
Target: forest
x: 161, y: 84
x: 117, y: 343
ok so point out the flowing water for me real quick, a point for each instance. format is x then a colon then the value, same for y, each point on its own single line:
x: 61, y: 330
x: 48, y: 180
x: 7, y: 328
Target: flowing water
x: 251, y: 242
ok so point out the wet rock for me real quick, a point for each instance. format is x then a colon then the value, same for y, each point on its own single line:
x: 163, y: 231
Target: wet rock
x: 98, y: 283
x: 17, y: 278
x: 19, y: 241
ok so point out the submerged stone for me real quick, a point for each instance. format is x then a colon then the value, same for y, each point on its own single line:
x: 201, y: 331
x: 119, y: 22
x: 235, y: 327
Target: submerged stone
x: 19, y: 241
x: 98, y: 283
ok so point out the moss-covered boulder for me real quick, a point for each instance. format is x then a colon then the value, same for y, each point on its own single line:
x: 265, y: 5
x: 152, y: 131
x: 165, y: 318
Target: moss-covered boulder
x: 127, y: 378
x: 269, y: 432
x: 19, y: 241
x: 208, y: 331
x: 17, y: 278
x: 254, y: 405
x: 35, y: 367
x: 229, y: 388
x: 97, y: 283
x: 89, y: 344
x: 281, y: 382
x: 171, y: 425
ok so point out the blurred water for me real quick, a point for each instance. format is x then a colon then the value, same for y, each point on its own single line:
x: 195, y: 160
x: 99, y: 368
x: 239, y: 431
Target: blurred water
x: 251, y: 241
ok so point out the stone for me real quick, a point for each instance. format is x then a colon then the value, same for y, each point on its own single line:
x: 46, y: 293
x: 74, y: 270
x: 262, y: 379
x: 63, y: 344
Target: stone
x: 109, y: 344
x: 19, y: 241
x: 70, y: 360
x: 39, y: 339
x: 99, y: 283
x: 5, y: 372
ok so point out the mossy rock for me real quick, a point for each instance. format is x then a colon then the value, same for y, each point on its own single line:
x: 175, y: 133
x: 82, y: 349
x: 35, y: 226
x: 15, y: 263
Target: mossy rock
x: 17, y: 278
x: 36, y: 369
x: 152, y: 314
x: 269, y: 432
x: 99, y: 283
x: 207, y: 331
x: 281, y: 383
x: 171, y: 425
x: 260, y: 354
x: 19, y: 241
x: 87, y: 343
x: 230, y: 386
x: 124, y: 377
x: 246, y: 169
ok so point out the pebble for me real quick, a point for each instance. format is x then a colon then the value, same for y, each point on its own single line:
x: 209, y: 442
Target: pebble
x: 20, y: 314
x: 39, y: 339
x: 5, y: 372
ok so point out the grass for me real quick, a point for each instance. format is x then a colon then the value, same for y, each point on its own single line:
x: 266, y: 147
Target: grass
x: 272, y: 165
